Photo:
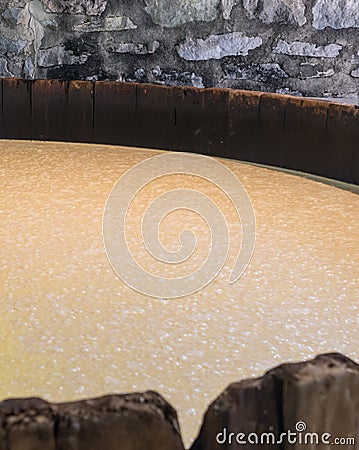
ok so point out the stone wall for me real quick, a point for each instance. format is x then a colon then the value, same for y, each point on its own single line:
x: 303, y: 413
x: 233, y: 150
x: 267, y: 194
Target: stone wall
x: 300, y: 47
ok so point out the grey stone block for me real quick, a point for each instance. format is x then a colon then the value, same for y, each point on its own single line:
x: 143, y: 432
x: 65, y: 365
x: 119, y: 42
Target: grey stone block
x: 227, y: 6
x: 88, y: 7
x: 287, y: 408
x: 335, y: 14
x: 218, y: 46
x: 110, y: 23
x: 122, y: 422
x: 134, y: 49
x: 274, y: 11
x: 28, y: 424
x: 115, y: 422
x: 11, y: 45
x: 308, y: 49
x: 178, y: 12
x: 58, y: 55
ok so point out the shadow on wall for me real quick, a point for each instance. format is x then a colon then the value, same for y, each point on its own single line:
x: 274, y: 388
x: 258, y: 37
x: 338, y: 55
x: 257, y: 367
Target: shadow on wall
x: 302, y: 47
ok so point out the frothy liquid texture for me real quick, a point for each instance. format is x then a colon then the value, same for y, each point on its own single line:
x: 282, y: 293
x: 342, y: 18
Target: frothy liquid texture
x: 70, y: 328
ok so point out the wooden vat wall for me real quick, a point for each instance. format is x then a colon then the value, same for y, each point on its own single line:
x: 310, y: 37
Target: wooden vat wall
x: 312, y: 136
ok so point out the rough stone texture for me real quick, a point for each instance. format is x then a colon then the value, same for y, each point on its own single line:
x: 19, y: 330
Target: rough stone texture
x: 119, y: 23
x: 87, y: 7
x: 325, y: 393
x: 57, y: 56
x: 326, y: 74
x: 260, y: 74
x: 321, y: 395
x: 283, y: 11
x: 355, y: 73
x: 178, y: 12
x: 218, y: 46
x: 165, y: 78
x: 10, y: 46
x: 121, y: 422
x: 134, y: 49
x: 175, y: 78
x: 15, y: 16
x: 128, y: 422
x: 28, y: 424
x: 309, y: 71
x: 335, y: 14
x: 183, y: 42
x: 306, y: 49
x: 227, y: 6
x: 4, y: 68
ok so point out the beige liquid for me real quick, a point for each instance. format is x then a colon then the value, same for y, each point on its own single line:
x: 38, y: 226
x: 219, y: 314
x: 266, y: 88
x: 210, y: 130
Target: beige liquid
x: 70, y: 328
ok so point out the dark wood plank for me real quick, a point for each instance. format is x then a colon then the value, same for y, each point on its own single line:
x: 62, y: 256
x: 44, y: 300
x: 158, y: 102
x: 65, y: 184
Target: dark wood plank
x: 80, y: 111
x: 214, y: 136
x: 1, y: 111
x: 354, y: 176
x: 17, y: 122
x: 155, y: 116
x: 342, y: 143
x: 49, y: 110
x: 114, y: 113
x: 271, y: 129
x: 243, y: 123
x: 189, y: 118
x: 304, y: 137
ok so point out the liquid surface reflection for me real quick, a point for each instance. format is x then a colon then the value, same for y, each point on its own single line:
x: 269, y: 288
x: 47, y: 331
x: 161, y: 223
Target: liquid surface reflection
x: 70, y: 328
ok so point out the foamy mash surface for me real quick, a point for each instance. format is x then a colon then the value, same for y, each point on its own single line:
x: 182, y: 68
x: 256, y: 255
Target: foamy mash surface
x: 70, y: 328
